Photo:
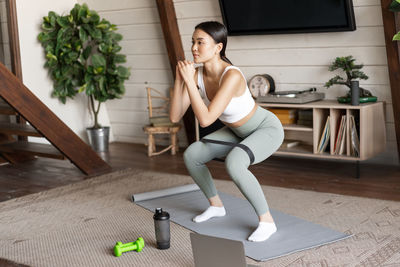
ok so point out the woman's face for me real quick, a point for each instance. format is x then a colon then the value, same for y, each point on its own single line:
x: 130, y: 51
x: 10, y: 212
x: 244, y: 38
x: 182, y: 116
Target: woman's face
x: 203, y: 46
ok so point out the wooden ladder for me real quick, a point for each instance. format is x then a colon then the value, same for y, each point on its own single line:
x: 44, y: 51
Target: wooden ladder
x: 65, y: 144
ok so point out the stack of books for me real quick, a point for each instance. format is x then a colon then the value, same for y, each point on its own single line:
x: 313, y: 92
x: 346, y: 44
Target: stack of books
x: 354, y: 140
x: 305, y: 117
x: 326, y: 134
x: 285, y: 115
x: 340, y: 142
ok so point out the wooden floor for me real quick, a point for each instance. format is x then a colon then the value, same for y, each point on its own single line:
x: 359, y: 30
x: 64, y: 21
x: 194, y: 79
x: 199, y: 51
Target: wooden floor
x: 381, y: 182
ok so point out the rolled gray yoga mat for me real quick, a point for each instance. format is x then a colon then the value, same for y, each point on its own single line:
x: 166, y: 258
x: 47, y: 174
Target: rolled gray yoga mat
x: 165, y: 192
x: 185, y: 202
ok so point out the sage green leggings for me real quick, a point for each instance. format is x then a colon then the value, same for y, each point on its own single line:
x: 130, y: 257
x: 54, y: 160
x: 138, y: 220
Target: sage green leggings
x: 262, y: 134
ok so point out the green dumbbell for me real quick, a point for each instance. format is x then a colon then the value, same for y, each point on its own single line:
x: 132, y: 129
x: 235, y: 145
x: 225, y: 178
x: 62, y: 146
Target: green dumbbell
x: 120, y: 248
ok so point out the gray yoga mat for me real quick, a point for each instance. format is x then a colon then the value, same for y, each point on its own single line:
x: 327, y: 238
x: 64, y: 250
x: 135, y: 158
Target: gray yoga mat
x: 185, y: 202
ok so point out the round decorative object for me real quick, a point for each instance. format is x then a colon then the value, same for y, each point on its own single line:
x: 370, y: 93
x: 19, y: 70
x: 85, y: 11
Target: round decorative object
x: 261, y: 84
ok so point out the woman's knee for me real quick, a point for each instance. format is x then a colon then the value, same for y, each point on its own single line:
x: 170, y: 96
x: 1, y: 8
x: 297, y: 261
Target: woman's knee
x: 193, y: 152
x: 236, y: 162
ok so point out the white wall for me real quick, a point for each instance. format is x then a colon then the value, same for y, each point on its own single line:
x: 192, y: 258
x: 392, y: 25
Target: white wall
x: 296, y: 61
x: 75, y: 113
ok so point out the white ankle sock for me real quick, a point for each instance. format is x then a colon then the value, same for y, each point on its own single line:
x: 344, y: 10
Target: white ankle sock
x: 263, y: 232
x: 212, y: 211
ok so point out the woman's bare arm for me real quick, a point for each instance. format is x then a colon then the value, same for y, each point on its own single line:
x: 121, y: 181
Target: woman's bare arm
x: 228, y: 88
x: 180, y: 99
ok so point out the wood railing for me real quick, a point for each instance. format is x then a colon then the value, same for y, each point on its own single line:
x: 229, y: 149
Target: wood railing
x: 19, y: 97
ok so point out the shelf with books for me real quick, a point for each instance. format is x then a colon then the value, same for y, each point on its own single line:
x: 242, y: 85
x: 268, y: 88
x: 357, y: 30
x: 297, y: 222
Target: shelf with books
x: 353, y: 133
x: 321, y: 122
x: 336, y: 131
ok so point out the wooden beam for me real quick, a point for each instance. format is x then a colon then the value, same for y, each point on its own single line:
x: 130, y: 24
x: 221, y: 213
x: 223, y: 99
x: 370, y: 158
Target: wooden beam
x: 393, y: 58
x: 173, y: 42
x: 170, y: 29
x: 13, y: 36
x: 33, y: 149
x: 49, y: 125
x: 18, y: 129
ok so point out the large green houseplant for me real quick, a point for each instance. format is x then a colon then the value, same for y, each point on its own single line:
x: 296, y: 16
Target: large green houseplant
x: 82, y: 55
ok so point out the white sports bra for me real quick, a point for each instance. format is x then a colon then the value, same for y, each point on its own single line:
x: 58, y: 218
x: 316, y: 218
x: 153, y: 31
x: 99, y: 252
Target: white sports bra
x: 238, y: 108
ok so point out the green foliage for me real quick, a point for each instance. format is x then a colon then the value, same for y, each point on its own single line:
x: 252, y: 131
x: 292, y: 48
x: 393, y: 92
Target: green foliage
x: 395, y: 7
x: 352, y: 71
x: 82, y: 55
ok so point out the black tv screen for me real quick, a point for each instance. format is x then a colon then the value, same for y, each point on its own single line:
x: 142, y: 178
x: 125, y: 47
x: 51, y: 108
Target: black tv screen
x: 289, y: 16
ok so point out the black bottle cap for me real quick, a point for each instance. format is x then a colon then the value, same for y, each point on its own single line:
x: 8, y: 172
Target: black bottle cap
x: 160, y: 214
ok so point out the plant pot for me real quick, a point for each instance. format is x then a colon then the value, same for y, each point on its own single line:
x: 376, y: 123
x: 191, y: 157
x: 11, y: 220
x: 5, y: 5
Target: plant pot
x: 347, y: 100
x: 98, y: 138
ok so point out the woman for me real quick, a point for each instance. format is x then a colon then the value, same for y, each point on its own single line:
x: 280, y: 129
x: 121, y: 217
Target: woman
x: 219, y: 90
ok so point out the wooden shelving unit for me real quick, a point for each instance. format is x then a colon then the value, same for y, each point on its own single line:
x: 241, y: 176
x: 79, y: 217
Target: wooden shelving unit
x: 371, y: 132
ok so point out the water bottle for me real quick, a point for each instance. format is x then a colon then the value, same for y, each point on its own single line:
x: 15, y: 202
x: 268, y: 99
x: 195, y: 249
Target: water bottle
x: 161, y: 225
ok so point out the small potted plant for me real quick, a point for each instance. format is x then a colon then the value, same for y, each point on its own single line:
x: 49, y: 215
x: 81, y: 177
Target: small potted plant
x: 353, y: 72
x: 82, y: 55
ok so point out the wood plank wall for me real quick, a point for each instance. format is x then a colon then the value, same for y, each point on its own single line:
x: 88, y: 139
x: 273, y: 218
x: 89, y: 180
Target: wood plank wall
x: 295, y: 61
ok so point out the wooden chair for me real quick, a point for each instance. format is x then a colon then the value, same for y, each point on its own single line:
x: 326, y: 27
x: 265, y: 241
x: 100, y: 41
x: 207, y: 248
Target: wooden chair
x: 159, y: 122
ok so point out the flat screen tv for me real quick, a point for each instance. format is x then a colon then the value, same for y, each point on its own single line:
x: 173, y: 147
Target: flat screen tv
x: 243, y: 17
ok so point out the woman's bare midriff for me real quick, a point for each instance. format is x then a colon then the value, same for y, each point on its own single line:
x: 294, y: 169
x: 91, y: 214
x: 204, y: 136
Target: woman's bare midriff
x: 243, y: 120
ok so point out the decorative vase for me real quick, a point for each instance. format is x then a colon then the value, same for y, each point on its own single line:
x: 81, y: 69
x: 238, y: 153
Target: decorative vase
x: 355, y: 93
x: 98, y: 138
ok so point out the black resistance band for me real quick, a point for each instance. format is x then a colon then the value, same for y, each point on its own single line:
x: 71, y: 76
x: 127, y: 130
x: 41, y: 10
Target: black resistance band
x: 244, y: 147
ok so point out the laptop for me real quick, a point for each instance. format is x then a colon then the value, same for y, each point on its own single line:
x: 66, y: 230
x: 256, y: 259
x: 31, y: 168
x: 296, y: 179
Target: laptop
x: 210, y: 251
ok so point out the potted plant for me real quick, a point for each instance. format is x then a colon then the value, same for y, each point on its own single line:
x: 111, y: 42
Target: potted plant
x: 82, y: 55
x: 353, y: 72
